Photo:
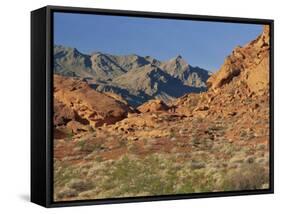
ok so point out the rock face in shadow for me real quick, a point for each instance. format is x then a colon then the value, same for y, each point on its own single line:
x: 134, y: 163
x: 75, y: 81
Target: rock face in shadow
x: 75, y: 100
x: 248, y: 64
x: 153, y: 82
x: 191, y: 76
x: 67, y: 61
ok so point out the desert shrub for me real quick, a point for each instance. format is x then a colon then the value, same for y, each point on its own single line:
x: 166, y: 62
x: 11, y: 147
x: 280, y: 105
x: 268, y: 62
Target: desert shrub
x: 63, y: 173
x: 227, y: 148
x: 187, y: 187
x: 66, y: 193
x: 122, y: 142
x: 202, y: 143
x: 197, y: 181
x: 87, y: 146
x: 247, y: 177
x: 157, y: 174
x: 133, y: 148
x: 195, y: 140
x: 247, y: 134
x: 197, y: 165
x: 69, y: 135
x: 172, y: 133
x: 216, y: 129
x: 261, y: 147
x: 81, y: 143
x: 98, y: 159
x: 93, y: 131
x: 135, y: 176
x: 79, y: 184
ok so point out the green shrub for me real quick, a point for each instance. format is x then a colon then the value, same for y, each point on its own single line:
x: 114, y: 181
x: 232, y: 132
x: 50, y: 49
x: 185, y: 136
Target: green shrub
x: 246, y: 177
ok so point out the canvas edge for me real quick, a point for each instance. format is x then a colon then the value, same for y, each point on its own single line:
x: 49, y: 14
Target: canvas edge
x: 38, y: 152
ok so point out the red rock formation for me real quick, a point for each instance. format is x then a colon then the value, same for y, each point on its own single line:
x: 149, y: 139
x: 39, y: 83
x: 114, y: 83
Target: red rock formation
x: 248, y: 64
x: 75, y: 100
x: 153, y: 106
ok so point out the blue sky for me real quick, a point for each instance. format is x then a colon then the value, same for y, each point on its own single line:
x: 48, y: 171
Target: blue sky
x: 203, y: 44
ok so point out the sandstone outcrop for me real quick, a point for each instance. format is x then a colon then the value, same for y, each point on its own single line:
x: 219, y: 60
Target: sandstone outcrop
x: 76, y: 100
x: 153, y: 106
x: 249, y: 64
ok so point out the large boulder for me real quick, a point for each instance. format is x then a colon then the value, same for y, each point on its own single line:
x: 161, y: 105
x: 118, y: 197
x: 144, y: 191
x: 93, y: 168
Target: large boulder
x: 76, y: 100
x: 153, y: 106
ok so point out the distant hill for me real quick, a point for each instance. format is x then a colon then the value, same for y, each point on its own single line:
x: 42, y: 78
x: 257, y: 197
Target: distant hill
x: 135, y: 78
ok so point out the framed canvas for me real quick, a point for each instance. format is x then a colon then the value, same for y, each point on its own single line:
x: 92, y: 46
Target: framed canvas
x: 142, y: 106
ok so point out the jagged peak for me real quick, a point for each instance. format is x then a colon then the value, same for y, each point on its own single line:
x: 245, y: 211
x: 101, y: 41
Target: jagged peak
x: 96, y: 53
x: 176, y: 58
x: 66, y: 48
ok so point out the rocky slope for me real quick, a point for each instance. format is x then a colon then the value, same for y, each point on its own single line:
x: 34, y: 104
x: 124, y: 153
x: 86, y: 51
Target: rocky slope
x: 124, y: 75
x: 248, y: 64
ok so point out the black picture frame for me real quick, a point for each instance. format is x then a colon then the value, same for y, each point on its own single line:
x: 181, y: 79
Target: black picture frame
x: 42, y: 104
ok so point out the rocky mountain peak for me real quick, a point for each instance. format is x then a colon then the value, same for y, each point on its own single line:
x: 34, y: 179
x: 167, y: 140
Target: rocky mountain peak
x: 178, y: 60
x: 177, y: 57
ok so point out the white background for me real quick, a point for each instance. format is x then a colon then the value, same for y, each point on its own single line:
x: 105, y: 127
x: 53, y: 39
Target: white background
x: 15, y: 105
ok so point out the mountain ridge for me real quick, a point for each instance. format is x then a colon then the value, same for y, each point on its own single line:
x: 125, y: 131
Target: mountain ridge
x: 128, y: 75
